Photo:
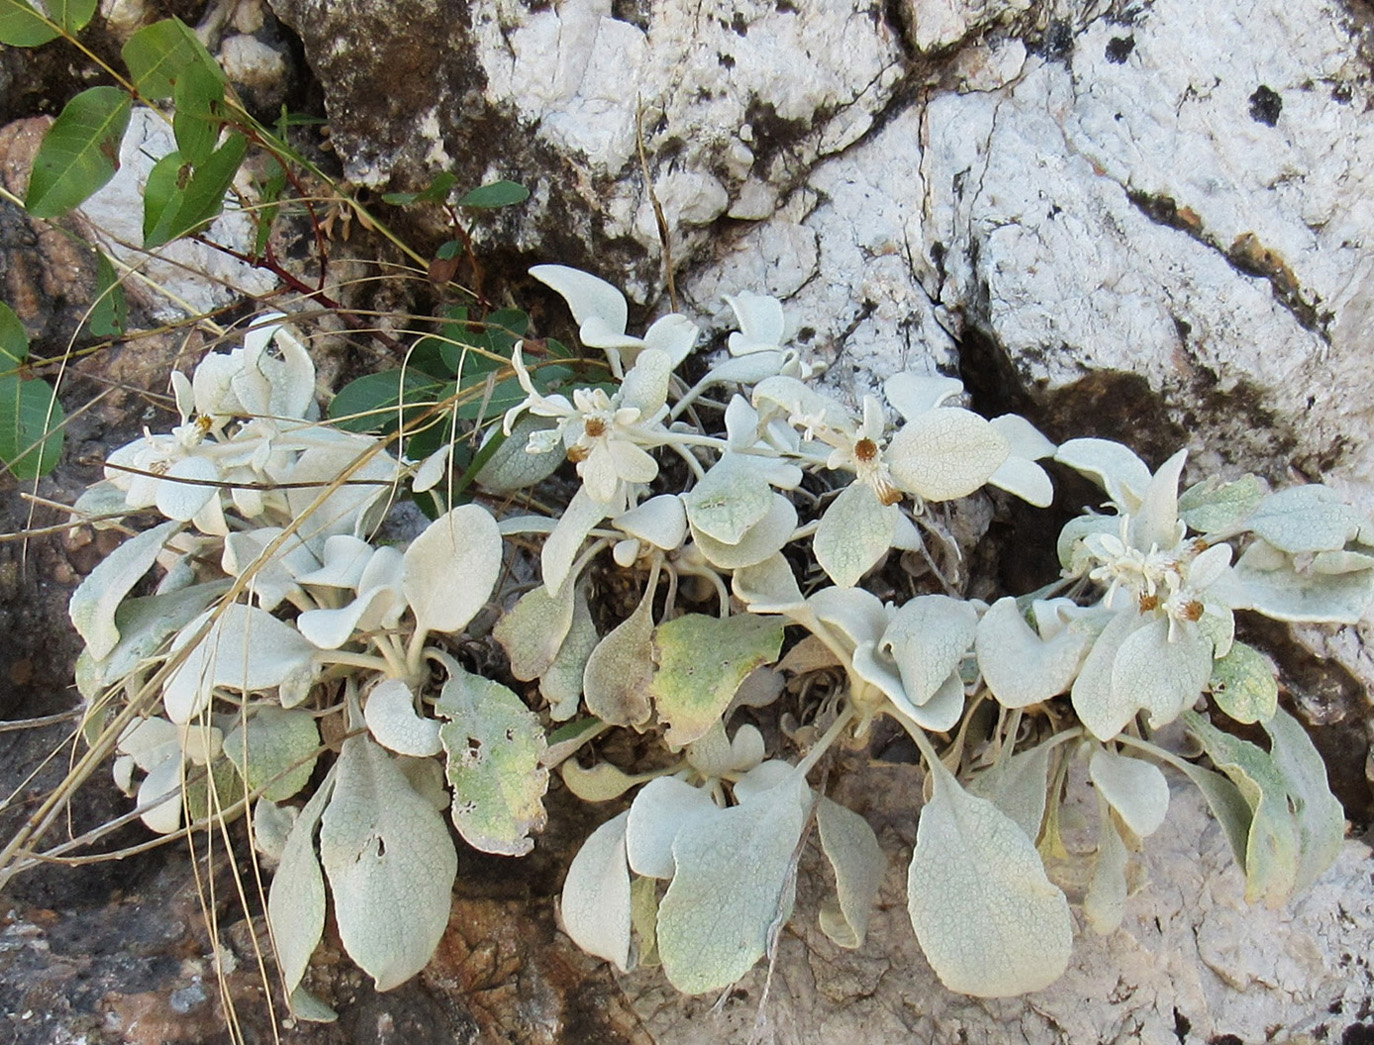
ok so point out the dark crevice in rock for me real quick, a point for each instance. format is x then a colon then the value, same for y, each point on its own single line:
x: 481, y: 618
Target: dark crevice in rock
x: 1247, y: 255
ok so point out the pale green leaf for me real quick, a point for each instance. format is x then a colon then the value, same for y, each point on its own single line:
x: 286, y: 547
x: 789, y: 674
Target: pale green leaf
x: 390, y: 865
x: 93, y: 605
x: 988, y: 919
x: 274, y: 750
x: 493, y: 744
x: 1136, y: 789
x: 1319, y: 815
x: 662, y: 808
x: 561, y: 684
x: 858, y: 864
x: 512, y: 467
x: 731, y: 499
x: 733, y: 886
x: 1214, y: 506
x: 855, y: 531
x: 619, y: 671
x: 1245, y: 684
x: 533, y: 630
x: 295, y: 905
x: 305, y: 1006
x: 1227, y: 804
x: 596, y: 895
x: 945, y: 453
x: 145, y: 624
x: 1104, y: 905
x: 451, y: 568
x: 701, y: 662
x: 1266, y: 580
x: 764, y: 538
x: 1310, y: 518
x: 599, y: 783
x: 1019, y: 667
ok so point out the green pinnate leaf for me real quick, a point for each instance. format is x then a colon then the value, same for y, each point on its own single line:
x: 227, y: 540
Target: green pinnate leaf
x: 80, y: 152
x: 23, y: 25
x: 197, y: 118
x: 495, y: 194
x: 701, y: 662
x: 110, y: 314
x: 14, y: 339
x: 31, y: 427
x: 157, y: 54
x: 494, y: 744
x: 181, y: 197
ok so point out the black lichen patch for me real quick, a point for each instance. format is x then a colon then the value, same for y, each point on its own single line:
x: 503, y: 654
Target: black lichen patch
x: 1057, y: 45
x: 1265, y: 106
x: 1358, y: 1034
x: 1119, y: 48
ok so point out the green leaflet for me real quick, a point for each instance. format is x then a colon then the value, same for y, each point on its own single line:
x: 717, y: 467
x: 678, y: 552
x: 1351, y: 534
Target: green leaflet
x: 198, y: 97
x: 157, y: 54
x: 79, y: 153
x: 701, y: 662
x: 22, y: 25
x: 1297, y: 824
x: 493, y: 743
x: 732, y: 886
x: 390, y: 865
x: 110, y: 313
x: 31, y: 427
x: 495, y: 194
x: 181, y: 196
x: 989, y: 920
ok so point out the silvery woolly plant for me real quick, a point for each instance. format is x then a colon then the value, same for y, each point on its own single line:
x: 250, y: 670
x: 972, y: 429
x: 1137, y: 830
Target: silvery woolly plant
x: 283, y: 643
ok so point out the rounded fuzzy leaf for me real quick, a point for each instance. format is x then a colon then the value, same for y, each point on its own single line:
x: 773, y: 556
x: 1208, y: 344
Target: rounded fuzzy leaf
x: 945, y: 453
x: 730, y: 500
x: 1019, y: 667
x: 393, y: 723
x: 451, y: 569
x: 768, y: 586
x: 1266, y: 580
x: 561, y: 684
x: 390, y: 864
x: 493, y: 744
x: 1245, y: 684
x: 589, y: 297
x: 763, y: 539
x: 512, y: 467
x: 296, y: 903
x: 1113, y: 466
x: 912, y: 395
x: 1213, y: 506
x: 660, y: 521
x: 563, y: 544
x: 701, y: 662
x: 1104, y: 905
x: 93, y: 605
x: 855, y: 531
x: 661, y: 809
x: 1310, y: 518
x: 596, y: 895
x: 858, y: 864
x: 79, y: 153
x: 1018, y: 787
x: 733, y: 884
x: 928, y: 638
x: 1136, y: 789
x: 615, y: 683
x: 532, y: 632
x: 274, y: 750
x: 990, y: 922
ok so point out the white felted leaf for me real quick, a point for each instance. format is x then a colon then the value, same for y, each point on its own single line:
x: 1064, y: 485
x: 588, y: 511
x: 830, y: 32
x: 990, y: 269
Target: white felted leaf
x: 942, y: 711
x: 1104, y: 904
x: 1023, y: 438
x: 393, y: 723
x: 660, y: 521
x: 1026, y: 479
x: 1019, y: 667
x: 799, y: 403
x: 732, y: 885
x: 512, y: 466
x: 746, y: 369
x: 390, y: 865
x: 858, y: 864
x: 1018, y: 786
x: 451, y: 568
x: 349, y: 507
x: 272, y: 824
x: 330, y: 629
x: 93, y: 605
x: 345, y: 558
x: 645, y: 387
x: 768, y: 586
x: 1073, y: 555
x: 928, y: 638
x: 247, y: 650
x: 855, y: 531
x: 619, y: 671
x: 1156, y: 521
x: 1214, y: 506
x: 275, y: 578
x: 183, y: 500
x: 674, y: 334
x: 945, y: 453
x: 764, y: 538
x: 1320, y: 817
x: 533, y: 630
x: 731, y: 499
x: 494, y: 744
x: 988, y: 919
x: 859, y: 614
x: 561, y: 684
x: 761, y: 322
x: 1114, y: 467
x: 432, y: 469
x: 912, y: 395
x: 563, y: 544
x: 596, y: 895
x: 588, y: 296
x: 1136, y: 789
x: 159, y: 795
x: 274, y: 750
x: 296, y: 902
x: 661, y: 809
x: 1310, y: 518
x: 1265, y: 580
